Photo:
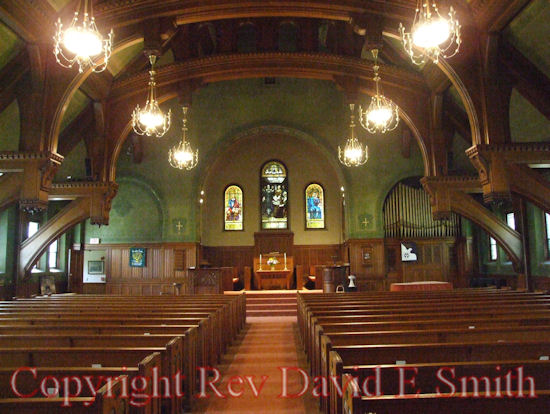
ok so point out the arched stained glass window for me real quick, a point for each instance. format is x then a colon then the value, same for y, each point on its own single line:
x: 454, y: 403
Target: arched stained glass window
x: 233, y: 208
x: 274, y: 195
x: 315, y: 206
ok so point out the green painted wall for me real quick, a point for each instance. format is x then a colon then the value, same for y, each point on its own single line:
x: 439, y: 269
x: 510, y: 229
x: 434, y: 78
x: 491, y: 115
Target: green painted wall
x: 10, y: 128
x: 136, y: 215
x: 527, y: 124
x: 8, y: 224
x: 73, y: 165
x: 529, y: 33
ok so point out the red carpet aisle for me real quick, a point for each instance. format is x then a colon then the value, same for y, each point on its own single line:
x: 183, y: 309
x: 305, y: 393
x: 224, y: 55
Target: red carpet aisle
x: 266, y: 344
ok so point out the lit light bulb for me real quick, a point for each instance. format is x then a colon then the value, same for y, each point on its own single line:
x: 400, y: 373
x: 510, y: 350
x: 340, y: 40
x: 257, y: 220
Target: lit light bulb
x: 82, y: 42
x: 431, y: 33
x: 353, y: 153
x: 151, y: 119
x: 183, y: 156
x: 380, y: 116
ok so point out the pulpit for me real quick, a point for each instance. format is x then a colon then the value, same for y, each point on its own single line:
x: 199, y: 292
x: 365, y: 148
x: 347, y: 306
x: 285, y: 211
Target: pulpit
x: 333, y: 276
x: 273, y: 271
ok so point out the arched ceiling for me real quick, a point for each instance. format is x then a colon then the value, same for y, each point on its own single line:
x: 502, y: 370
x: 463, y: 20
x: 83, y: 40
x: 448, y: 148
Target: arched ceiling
x: 173, y: 29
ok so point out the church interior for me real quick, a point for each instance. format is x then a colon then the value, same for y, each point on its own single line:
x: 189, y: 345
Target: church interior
x: 329, y: 174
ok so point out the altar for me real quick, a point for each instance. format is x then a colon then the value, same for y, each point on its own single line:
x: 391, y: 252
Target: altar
x: 273, y: 271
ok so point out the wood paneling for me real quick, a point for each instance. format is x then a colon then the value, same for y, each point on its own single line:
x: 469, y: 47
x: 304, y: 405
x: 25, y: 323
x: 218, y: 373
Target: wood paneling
x: 312, y: 255
x: 436, y: 261
x: 370, y: 272
x: 155, y: 278
x: 273, y: 241
x: 226, y: 256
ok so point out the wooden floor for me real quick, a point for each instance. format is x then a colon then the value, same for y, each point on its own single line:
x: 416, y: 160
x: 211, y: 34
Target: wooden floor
x: 266, y: 344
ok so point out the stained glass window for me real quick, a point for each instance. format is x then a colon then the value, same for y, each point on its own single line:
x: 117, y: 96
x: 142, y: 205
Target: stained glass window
x: 315, y: 206
x: 233, y: 208
x: 274, y: 195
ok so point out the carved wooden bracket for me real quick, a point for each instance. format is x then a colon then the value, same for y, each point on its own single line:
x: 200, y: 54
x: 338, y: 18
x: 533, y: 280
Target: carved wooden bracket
x: 503, y: 169
x: 89, y: 200
x: 37, y: 170
x: 101, y: 195
x: 449, y: 194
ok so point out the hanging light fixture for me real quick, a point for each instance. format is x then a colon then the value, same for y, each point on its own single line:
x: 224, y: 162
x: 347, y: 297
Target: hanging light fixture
x: 83, y: 41
x: 432, y: 34
x: 382, y: 115
x: 353, y: 154
x: 150, y: 120
x: 182, y: 156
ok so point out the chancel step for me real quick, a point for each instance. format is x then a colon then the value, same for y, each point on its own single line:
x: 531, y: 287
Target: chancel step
x: 271, y: 303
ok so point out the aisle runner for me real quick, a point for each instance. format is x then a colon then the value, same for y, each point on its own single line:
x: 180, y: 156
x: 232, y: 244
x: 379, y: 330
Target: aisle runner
x: 268, y: 344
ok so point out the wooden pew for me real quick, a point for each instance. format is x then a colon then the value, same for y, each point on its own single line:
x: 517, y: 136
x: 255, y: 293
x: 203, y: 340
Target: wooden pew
x: 427, y: 380
x: 437, y: 404
x: 109, y: 357
x: 444, y: 353
x: 102, y: 403
x: 178, y: 353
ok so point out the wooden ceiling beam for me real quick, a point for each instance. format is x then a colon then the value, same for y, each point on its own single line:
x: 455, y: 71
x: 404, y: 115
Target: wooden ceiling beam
x: 529, y: 80
x: 98, y: 85
x: 33, y: 21
x: 238, y: 66
x: 112, y: 14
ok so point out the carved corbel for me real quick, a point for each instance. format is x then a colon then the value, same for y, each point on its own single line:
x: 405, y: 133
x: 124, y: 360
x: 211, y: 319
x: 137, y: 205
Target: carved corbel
x: 493, y: 173
x: 101, y: 203
x: 38, y: 171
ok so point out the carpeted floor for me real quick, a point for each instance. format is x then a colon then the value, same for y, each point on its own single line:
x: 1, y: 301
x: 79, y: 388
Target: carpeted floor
x: 266, y: 345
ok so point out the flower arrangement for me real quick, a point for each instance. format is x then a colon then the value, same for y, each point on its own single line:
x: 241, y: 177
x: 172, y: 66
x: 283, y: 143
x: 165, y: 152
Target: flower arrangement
x: 272, y: 261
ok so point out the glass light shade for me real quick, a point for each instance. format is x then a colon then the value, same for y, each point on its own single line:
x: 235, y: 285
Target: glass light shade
x: 432, y: 33
x: 82, y: 44
x: 353, y: 153
x: 82, y: 41
x: 432, y: 36
x: 380, y: 115
x: 151, y: 118
x: 182, y: 156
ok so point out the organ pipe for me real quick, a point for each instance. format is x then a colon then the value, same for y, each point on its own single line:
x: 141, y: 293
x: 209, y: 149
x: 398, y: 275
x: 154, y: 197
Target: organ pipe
x: 407, y: 214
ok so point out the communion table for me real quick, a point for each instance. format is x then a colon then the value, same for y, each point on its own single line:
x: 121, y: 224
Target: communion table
x: 276, y: 276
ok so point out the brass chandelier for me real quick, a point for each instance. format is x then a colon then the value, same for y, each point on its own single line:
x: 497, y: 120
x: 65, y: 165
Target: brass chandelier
x: 182, y: 155
x: 353, y: 154
x: 83, y: 41
x: 433, y: 35
x: 382, y: 115
x: 150, y: 120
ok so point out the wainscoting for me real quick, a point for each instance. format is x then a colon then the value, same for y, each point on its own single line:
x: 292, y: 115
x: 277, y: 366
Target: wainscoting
x: 375, y: 262
x: 165, y: 264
